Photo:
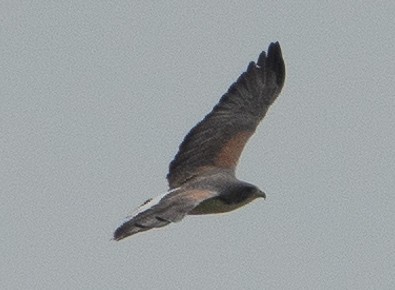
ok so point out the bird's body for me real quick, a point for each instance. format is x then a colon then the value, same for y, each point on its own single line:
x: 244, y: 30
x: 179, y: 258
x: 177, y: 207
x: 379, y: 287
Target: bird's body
x: 202, y: 175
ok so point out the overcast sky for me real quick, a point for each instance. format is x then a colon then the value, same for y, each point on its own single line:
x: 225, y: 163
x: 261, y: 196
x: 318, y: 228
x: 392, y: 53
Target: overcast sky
x: 96, y: 96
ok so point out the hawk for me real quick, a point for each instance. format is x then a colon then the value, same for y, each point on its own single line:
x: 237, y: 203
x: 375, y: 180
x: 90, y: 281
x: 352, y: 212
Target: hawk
x: 202, y: 175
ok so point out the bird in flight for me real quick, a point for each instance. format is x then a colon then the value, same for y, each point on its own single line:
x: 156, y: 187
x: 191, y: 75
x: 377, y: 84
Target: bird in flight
x: 202, y: 175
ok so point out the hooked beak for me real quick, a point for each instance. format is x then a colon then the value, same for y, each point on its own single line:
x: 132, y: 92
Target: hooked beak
x: 261, y: 194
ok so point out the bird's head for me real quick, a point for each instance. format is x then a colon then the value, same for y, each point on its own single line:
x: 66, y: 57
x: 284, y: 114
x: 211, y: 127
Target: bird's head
x: 254, y: 191
x: 260, y: 193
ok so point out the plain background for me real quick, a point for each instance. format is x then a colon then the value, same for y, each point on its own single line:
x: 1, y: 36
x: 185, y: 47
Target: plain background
x: 96, y: 96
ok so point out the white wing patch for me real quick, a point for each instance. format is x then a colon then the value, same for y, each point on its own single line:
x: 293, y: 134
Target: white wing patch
x: 150, y: 203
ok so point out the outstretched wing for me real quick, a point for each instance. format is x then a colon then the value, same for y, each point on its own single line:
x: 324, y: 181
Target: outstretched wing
x: 218, y: 140
x: 162, y: 210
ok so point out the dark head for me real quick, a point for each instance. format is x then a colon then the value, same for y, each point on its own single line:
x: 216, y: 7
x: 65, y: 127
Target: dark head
x: 250, y: 190
x: 257, y: 192
x: 260, y: 193
x: 241, y: 192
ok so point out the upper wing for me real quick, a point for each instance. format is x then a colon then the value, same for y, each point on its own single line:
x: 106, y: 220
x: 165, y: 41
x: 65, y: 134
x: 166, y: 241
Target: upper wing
x: 160, y: 211
x: 217, y: 141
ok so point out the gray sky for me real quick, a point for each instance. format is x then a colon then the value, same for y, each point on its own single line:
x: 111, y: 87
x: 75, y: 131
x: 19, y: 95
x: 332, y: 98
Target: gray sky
x: 97, y: 96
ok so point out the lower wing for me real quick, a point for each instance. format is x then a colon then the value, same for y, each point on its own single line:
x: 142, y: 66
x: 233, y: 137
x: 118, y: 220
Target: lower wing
x: 161, y: 211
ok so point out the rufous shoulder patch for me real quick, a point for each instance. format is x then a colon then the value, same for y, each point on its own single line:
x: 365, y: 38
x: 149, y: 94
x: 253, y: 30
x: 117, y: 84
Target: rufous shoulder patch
x: 230, y: 152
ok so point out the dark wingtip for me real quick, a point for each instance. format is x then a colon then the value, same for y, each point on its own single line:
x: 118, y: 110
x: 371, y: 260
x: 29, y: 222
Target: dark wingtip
x: 274, y: 46
x: 118, y: 235
x: 121, y: 233
x: 261, y: 59
x: 274, y: 53
x: 275, y: 61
